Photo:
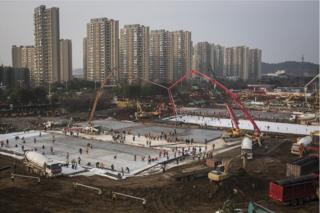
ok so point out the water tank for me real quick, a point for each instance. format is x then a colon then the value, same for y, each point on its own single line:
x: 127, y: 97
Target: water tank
x: 305, y: 140
x: 246, y: 143
x: 36, y: 158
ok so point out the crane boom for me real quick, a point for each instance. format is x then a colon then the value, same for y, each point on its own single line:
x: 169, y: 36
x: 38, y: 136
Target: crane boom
x: 234, y: 119
x: 99, y: 94
x: 233, y: 96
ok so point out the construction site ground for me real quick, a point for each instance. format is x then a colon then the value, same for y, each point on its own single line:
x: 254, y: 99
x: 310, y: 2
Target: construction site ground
x: 162, y: 192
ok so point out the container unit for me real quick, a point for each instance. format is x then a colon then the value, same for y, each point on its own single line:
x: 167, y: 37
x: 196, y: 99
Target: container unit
x: 303, y: 166
x: 294, y: 190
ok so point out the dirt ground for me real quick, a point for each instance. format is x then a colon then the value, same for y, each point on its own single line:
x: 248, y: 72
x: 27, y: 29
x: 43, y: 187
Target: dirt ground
x: 162, y: 192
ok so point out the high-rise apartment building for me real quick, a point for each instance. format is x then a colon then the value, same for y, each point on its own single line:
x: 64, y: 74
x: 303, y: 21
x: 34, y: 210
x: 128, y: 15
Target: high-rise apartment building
x: 182, y: 53
x: 161, y: 55
x: 201, y: 58
x: 217, y: 59
x: 47, y: 46
x: 254, y: 64
x: 101, y: 48
x: 134, y: 53
x: 243, y: 62
x: 16, y: 56
x: 65, y: 60
x: 23, y: 57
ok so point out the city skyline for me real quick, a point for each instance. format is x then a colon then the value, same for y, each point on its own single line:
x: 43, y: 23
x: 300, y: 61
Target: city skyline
x: 307, y: 46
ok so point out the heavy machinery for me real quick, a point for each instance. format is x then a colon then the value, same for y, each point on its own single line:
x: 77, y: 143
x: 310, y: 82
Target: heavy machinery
x: 295, y: 190
x: 124, y: 103
x: 235, y: 131
x: 221, y: 172
x: 99, y: 94
x: 140, y: 114
x: 38, y: 164
x: 257, y: 133
x: 306, y: 145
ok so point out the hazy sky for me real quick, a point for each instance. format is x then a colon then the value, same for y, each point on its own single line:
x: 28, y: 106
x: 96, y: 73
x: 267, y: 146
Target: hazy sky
x: 283, y: 30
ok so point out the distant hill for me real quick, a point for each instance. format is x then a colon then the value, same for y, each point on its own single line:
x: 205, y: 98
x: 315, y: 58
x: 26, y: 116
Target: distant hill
x: 293, y: 68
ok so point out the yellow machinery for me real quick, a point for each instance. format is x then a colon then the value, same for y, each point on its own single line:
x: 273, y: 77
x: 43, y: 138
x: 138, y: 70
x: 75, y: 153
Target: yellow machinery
x: 234, y: 133
x: 124, y: 104
x: 142, y: 114
x: 221, y: 172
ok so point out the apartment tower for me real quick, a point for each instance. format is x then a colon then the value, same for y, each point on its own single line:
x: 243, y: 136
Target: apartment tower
x: 101, y: 45
x: 182, y: 53
x: 161, y: 63
x: 65, y: 60
x: 47, y: 46
x: 23, y: 57
x: 134, y: 53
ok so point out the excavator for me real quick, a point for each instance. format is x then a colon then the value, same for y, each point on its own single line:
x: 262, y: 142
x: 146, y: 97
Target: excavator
x: 140, y: 114
x: 99, y: 93
x: 222, y: 171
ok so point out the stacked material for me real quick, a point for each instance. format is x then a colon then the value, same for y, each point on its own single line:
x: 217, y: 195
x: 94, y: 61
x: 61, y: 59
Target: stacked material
x: 303, y: 166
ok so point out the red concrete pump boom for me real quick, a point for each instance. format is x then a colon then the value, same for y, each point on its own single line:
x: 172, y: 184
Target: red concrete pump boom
x: 213, y: 81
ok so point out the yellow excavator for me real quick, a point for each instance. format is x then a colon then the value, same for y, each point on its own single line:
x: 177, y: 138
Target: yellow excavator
x: 140, y: 114
x: 221, y: 172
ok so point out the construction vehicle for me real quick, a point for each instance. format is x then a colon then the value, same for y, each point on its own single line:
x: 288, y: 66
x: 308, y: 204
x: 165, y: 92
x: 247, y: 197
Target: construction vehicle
x: 99, y: 94
x: 140, y: 114
x: 38, y: 164
x: 235, y: 131
x: 308, y: 144
x: 257, y: 133
x: 124, y: 103
x: 296, y: 190
x: 221, y: 171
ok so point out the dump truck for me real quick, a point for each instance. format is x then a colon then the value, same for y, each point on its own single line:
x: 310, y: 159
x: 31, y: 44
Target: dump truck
x: 296, y: 190
x: 38, y: 164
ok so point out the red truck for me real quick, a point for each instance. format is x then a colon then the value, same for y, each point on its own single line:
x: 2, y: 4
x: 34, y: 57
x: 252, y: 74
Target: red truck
x: 294, y: 190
